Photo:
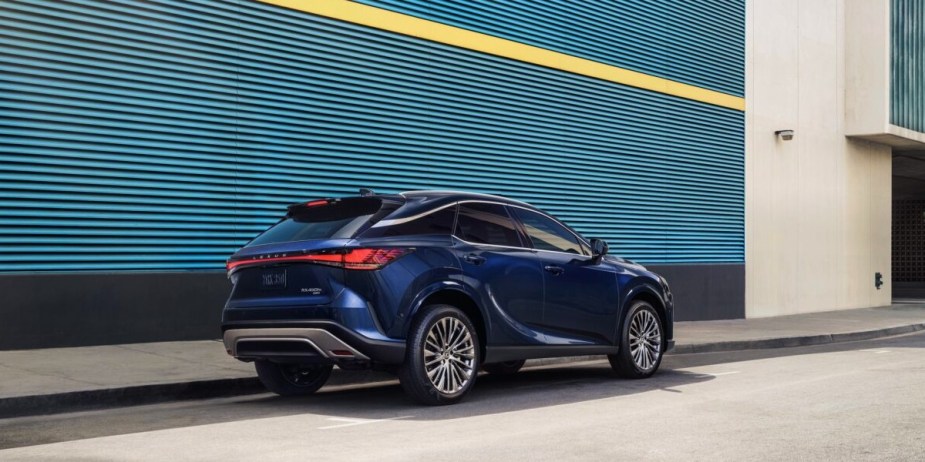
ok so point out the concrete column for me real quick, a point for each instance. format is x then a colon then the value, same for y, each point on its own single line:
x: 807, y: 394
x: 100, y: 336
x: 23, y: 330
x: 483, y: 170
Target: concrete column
x: 818, y: 206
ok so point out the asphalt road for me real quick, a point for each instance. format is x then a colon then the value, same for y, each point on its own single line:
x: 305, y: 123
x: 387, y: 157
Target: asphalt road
x: 855, y: 401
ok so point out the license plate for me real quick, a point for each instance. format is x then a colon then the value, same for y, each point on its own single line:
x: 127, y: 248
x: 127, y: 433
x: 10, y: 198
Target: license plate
x: 273, y: 279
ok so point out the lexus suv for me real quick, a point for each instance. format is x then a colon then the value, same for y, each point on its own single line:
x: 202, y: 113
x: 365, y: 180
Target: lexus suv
x: 434, y: 286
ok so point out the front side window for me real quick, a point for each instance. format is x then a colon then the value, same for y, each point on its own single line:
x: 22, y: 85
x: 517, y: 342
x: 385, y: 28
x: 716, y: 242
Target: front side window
x: 547, y: 234
x: 481, y: 223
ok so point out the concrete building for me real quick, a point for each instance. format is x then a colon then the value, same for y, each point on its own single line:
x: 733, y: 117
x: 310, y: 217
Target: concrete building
x: 143, y: 142
x: 848, y: 77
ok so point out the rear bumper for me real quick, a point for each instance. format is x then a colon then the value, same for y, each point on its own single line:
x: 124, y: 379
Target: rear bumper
x: 309, y: 342
x: 282, y: 342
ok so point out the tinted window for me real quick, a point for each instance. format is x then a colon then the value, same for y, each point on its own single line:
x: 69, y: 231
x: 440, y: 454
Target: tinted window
x: 547, y: 234
x: 439, y: 222
x: 335, y: 220
x: 486, y: 224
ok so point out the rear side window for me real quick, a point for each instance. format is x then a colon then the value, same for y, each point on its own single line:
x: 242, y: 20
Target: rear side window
x: 439, y: 222
x: 486, y: 224
x: 547, y: 234
x: 340, y: 219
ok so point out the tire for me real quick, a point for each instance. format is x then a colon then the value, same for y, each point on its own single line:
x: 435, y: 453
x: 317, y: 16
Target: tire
x: 292, y: 379
x: 642, y: 321
x: 505, y: 368
x: 436, y: 372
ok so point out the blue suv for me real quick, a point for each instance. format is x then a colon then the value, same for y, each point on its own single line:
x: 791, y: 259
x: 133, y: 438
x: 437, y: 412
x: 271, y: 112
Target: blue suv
x: 434, y: 286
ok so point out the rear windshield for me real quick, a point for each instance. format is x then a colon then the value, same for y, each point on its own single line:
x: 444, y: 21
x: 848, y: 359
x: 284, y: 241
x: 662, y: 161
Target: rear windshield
x: 336, y: 220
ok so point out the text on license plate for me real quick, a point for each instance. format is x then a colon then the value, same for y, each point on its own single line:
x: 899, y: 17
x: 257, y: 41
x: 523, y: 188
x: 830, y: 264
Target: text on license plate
x: 273, y: 279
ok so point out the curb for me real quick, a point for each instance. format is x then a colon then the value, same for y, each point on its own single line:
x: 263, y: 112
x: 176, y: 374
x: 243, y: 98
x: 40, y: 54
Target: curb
x: 787, y: 342
x: 58, y: 403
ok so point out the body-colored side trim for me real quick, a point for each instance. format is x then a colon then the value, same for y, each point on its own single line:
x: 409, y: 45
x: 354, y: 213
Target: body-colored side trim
x: 378, y: 18
x: 498, y: 354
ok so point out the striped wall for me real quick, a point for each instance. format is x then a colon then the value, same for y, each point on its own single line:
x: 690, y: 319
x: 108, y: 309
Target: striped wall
x: 907, y: 92
x: 700, y: 42
x: 162, y: 135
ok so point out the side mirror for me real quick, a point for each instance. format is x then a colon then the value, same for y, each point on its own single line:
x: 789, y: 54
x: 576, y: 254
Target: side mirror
x: 598, y: 250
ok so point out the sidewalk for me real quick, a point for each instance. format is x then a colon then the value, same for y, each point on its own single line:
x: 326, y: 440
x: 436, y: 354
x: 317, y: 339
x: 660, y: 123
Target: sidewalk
x: 61, y: 379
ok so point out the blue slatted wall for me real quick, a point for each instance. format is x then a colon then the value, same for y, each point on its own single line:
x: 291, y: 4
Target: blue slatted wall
x: 699, y: 42
x: 907, y: 108
x: 162, y: 135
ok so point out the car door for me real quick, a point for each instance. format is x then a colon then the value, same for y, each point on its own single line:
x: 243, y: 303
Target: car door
x: 506, y: 273
x: 581, y: 296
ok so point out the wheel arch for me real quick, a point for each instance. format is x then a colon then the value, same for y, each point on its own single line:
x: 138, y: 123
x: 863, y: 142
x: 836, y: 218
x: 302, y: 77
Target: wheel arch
x: 644, y: 292
x: 456, y: 295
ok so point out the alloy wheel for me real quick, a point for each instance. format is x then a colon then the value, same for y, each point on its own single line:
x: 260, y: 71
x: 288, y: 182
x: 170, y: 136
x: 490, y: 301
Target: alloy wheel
x: 449, y: 355
x: 645, y: 340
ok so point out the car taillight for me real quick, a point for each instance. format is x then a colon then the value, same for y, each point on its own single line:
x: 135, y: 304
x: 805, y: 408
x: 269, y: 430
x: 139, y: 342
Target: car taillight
x: 371, y: 259
x: 356, y: 259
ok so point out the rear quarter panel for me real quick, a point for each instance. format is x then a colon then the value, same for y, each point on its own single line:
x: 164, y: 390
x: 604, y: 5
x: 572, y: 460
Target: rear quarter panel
x: 392, y: 290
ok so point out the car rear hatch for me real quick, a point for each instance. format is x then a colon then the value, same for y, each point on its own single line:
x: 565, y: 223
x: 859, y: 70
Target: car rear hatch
x: 299, y: 262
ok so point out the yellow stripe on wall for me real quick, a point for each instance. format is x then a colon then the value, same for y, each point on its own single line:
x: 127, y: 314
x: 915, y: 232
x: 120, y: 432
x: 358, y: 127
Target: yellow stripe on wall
x: 379, y: 18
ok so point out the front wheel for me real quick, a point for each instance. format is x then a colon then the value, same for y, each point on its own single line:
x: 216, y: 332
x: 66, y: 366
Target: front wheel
x: 442, y: 358
x: 641, y: 343
x: 292, y: 379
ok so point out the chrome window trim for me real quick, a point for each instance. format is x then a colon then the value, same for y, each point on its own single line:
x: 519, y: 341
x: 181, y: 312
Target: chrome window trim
x: 477, y: 244
x: 400, y: 221
x: 529, y: 209
x: 510, y: 217
x: 581, y: 240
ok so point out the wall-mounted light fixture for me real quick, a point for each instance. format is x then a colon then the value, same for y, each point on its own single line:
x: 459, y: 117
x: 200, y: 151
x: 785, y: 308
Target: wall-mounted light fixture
x: 785, y: 135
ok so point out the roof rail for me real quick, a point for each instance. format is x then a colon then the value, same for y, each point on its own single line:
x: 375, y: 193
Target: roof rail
x: 467, y: 193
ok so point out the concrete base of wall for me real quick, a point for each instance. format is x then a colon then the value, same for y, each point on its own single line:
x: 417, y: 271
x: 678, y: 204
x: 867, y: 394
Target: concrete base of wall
x: 706, y: 292
x: 915, y: 290
x: 79, y: 309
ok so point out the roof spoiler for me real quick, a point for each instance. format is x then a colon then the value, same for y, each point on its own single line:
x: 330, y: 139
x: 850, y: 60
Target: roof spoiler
x: 364, y: 193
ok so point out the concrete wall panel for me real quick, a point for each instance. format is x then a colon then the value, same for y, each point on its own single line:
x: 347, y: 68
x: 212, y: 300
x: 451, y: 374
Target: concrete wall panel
x: 818, y: 206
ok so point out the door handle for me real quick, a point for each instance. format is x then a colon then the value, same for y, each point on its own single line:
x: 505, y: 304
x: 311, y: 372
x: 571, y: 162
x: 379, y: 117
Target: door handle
x: 555, y: 270
x: 474, y: 259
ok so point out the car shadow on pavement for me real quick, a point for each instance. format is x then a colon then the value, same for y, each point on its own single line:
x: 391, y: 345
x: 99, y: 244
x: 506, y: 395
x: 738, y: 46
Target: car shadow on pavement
x: 531, y: 388
x: 351, y: 398
x: 544, y: 385
x: 528, y: 389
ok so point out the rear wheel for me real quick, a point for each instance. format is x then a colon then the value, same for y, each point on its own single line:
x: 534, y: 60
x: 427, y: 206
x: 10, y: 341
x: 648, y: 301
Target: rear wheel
x: 442, y: 358
x: 292, y: 379
x: 641, y: 343
x: 505, y: 368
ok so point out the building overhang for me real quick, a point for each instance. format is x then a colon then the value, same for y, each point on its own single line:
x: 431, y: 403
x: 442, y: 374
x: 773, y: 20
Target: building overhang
x: 882, y: 74
x: 901, y: 139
